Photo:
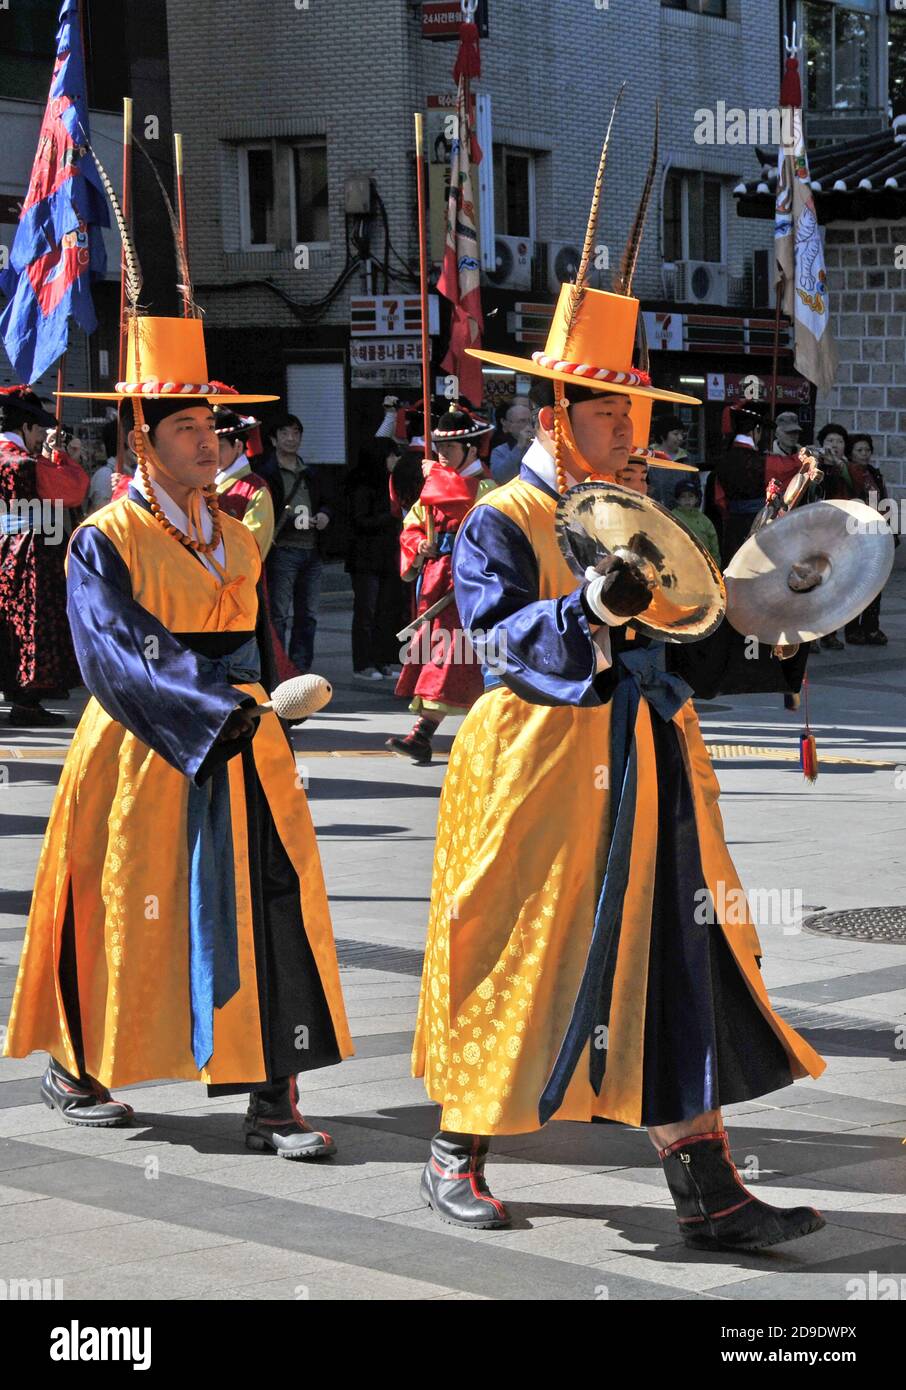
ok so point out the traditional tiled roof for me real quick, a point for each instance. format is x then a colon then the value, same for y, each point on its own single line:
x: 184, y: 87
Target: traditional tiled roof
x: 851, y: 181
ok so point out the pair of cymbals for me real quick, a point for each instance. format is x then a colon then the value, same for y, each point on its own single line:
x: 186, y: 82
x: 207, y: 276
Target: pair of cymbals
x: 799, y: 578
x: 809, y: 573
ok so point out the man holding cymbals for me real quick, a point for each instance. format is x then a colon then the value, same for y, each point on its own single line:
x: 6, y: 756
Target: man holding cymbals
x: 578, y: 965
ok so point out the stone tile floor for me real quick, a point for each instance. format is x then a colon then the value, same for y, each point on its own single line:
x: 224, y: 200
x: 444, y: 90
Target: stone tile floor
x: 176, y: 1208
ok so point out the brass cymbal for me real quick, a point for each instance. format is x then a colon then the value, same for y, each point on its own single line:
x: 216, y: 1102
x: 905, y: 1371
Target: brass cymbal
x: 842, y: 550
x: 596, y: 519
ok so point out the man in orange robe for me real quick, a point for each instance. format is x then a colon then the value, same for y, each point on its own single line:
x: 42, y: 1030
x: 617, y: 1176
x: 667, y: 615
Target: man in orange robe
x: 179, y: 925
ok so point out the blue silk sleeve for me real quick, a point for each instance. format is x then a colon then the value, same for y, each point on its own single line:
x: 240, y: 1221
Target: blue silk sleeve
x: 158, y: 690
x: 541, y: 648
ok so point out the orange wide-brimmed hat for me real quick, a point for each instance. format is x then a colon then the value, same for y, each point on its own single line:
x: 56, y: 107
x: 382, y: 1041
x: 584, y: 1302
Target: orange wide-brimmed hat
x: 166, y: 360
x: 593, y: 332
x: 590, y: 344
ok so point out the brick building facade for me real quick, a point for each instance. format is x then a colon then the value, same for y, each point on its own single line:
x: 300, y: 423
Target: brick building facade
x: 870, y: 327
x: 351, y: 75
x: 315, y: 93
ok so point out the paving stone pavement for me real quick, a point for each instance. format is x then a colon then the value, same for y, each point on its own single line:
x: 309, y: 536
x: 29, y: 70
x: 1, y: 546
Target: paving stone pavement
x: 176, y: 1208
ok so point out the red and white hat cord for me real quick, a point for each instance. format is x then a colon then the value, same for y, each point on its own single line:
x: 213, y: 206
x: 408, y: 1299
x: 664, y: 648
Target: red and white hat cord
x: 590, y: 373
x: 153, y: 387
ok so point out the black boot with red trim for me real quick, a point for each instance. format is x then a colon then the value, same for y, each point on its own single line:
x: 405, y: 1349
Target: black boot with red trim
x: 274, y: 1121
x: 715, y: 1210
x: 454, y: 1186
x: 81, y: 1100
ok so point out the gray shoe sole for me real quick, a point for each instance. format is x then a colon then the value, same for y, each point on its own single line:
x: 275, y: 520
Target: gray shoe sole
x: 807, y: 1228
x: 258, y: 1144
x: 116, y: 1122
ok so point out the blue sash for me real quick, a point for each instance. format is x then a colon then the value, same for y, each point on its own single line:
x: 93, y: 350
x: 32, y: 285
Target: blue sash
x: 641, y: 672
x: 213, y: 947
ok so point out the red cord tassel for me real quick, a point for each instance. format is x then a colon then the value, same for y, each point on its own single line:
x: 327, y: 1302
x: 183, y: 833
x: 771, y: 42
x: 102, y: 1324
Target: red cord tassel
x: 468, y: 59
x: 808, y: 749
x: 808, y: 756
x: 791, y: 86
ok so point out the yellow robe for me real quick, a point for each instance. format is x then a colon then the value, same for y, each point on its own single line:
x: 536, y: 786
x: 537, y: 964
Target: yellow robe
x: 522, y: 842
x: 117, y: 838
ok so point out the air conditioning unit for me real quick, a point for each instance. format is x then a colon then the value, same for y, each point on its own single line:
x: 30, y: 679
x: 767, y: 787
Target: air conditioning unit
x: 701, y: 282
x: 563, y: 259
x: 513, y: 263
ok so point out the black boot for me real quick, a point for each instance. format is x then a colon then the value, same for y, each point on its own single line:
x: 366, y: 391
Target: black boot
x: 82, y: 1100
x: 274, y: 1121
x: 714, y: 1209
x: 454, y: 1186
x: 417, y: 743
x: 414, y: 746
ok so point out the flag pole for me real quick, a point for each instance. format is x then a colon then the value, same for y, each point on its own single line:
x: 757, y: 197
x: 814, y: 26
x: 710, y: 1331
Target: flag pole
x: 183, y: 225
x: 61, y: 385
x: 778, y: 300
x: 126, y: 204
x: 61, y: 365
x: 780, y: 282
x: 423, y: 281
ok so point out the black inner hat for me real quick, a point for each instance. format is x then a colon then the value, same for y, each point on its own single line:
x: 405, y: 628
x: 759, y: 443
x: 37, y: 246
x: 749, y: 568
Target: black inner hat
x: 160, y: 407
x: 28, y: 406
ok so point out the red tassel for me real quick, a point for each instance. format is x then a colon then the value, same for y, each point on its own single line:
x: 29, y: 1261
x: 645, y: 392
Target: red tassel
x: 808, y: 749
x: 791, y: 87
x: 468, y: 59
x: 808, y: 756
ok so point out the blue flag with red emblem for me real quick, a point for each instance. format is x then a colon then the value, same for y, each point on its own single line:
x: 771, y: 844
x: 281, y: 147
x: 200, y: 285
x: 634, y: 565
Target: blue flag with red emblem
x: 58, y: 248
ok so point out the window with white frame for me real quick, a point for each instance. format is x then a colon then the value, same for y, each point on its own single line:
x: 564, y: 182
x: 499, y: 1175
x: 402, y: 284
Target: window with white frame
x: 694, y: 216
x: 283, y: 194
x: 514, y: 192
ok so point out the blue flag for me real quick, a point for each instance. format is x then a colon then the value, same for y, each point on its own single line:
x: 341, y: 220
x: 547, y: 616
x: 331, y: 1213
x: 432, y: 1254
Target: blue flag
x: 58, y: 248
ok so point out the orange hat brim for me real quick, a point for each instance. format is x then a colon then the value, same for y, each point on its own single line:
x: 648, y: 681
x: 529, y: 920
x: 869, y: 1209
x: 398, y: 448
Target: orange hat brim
x: 527, y: 367
x: 168, y: 396
x: 666, y: 463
